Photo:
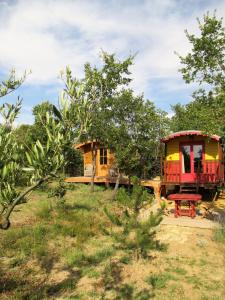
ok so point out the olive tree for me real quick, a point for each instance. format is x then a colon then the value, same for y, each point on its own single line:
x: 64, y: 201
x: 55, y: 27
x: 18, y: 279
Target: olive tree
x: 43, y: 159
x: 43, y: 162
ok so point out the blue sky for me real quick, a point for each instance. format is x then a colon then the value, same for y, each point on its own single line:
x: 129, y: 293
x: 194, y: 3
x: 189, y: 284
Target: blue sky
x: 46, y: 35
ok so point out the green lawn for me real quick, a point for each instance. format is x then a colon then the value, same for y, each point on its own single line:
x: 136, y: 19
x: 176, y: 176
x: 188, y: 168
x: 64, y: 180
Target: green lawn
x: 57, y: 250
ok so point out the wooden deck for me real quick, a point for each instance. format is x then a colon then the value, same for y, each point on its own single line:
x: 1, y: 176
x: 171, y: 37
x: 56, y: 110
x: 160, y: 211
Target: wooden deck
x: 154, y: 184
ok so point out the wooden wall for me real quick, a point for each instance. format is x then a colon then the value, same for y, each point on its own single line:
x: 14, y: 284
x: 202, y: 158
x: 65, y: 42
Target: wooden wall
x: 212, y: 148
x: 101, y: 170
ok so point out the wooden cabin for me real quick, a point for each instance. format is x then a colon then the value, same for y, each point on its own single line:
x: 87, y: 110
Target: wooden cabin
x: 105, y: 160
x: 106, y: 171
x: 192, y: 159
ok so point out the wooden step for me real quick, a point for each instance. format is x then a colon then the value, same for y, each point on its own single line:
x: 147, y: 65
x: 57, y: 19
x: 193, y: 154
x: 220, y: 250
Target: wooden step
x: 189, y: 189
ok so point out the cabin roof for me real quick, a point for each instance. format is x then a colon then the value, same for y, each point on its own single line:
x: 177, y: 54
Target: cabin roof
x: 189, y: 132
x: 81, y: 145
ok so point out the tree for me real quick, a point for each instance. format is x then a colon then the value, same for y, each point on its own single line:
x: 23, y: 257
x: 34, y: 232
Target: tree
x: 43, y: 162
x: 130, y: 232
x: 22, y: 133
x: 98, y: 89
x: 36, y: 133
x: 43, y: 159
x: 11, y: 84
x: 205, y: 63
x: 206, y: 115
x: 134, y: 136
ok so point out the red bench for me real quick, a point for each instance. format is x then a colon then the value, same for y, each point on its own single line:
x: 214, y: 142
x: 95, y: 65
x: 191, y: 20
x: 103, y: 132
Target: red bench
x: 191, y: 199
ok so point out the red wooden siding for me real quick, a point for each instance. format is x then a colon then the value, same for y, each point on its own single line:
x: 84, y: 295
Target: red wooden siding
x: 213, y: 172
x: 172, y: 171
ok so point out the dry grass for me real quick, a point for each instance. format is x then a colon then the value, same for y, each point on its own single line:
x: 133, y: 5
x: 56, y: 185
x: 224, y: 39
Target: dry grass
x: 59, y: 252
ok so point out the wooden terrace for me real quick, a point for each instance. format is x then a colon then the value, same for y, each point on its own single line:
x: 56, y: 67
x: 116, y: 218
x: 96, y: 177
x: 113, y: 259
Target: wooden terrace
x: 153, y: 184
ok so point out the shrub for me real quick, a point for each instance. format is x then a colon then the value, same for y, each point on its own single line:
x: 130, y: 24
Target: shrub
x: 132, y: 233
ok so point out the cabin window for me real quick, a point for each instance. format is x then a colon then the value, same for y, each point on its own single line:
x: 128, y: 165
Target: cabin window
x: 103, y: 156
x: 197, y: 150
x: 186, y: 159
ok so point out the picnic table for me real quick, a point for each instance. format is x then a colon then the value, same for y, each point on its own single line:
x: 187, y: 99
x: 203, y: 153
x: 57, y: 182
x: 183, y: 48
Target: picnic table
x: 190, y: 199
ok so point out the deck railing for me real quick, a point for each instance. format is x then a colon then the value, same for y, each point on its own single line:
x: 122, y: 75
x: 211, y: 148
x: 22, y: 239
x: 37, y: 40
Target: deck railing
x: 171, y: 171
x: 213, y: 172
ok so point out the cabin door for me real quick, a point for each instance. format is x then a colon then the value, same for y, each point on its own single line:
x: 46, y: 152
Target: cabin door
x: 191, y: 161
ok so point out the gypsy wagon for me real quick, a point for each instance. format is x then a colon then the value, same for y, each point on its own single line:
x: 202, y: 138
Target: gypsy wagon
x: 192, y: 160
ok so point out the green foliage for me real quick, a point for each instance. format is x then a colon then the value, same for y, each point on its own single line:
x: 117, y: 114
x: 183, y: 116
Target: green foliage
x: 35, y: 131
x: 205, y: 63
x: 132, y: 233
x: 110, y: 114
x: 11, y: 84
x: 135, y: 133
x: 201, y: 113
x: 94, y: 95
x: 137, y: 199
x: 22, y: 134
x: 10, y: 168
x: 41, y: 162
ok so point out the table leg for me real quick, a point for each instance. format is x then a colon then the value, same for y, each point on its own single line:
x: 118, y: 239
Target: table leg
x: 176, y: 212
x: 193, y: 211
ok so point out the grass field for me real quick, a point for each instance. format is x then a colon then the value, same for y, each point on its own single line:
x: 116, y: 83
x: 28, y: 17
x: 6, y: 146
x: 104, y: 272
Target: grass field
x: 56, y: 250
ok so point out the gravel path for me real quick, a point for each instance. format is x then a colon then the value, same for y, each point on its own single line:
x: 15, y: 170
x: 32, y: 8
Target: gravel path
x: 188, y: 222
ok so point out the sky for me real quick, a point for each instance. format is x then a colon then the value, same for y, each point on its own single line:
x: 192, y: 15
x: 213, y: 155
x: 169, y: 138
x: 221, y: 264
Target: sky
x: 45, y: 36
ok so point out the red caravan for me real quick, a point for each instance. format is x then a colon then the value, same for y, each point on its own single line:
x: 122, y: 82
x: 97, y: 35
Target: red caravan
x: 192, y: 158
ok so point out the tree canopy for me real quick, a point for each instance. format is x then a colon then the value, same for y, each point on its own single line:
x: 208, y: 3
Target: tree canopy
x: 204, y: 65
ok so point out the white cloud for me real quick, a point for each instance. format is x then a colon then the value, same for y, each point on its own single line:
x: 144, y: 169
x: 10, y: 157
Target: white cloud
x: 47, y: 35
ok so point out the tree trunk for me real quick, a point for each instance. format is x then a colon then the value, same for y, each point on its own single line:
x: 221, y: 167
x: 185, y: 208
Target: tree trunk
x: 93, y: 156
x: 116, y: 185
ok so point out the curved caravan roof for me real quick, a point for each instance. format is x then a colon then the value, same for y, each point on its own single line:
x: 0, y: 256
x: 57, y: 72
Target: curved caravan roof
x: 188, y: 133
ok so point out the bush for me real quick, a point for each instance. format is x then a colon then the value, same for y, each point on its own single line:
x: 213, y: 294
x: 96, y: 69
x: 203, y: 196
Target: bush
x: 132, y: 233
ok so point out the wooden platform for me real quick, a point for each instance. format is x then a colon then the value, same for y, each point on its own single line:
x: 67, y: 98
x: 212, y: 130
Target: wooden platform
x: 154, y: 184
